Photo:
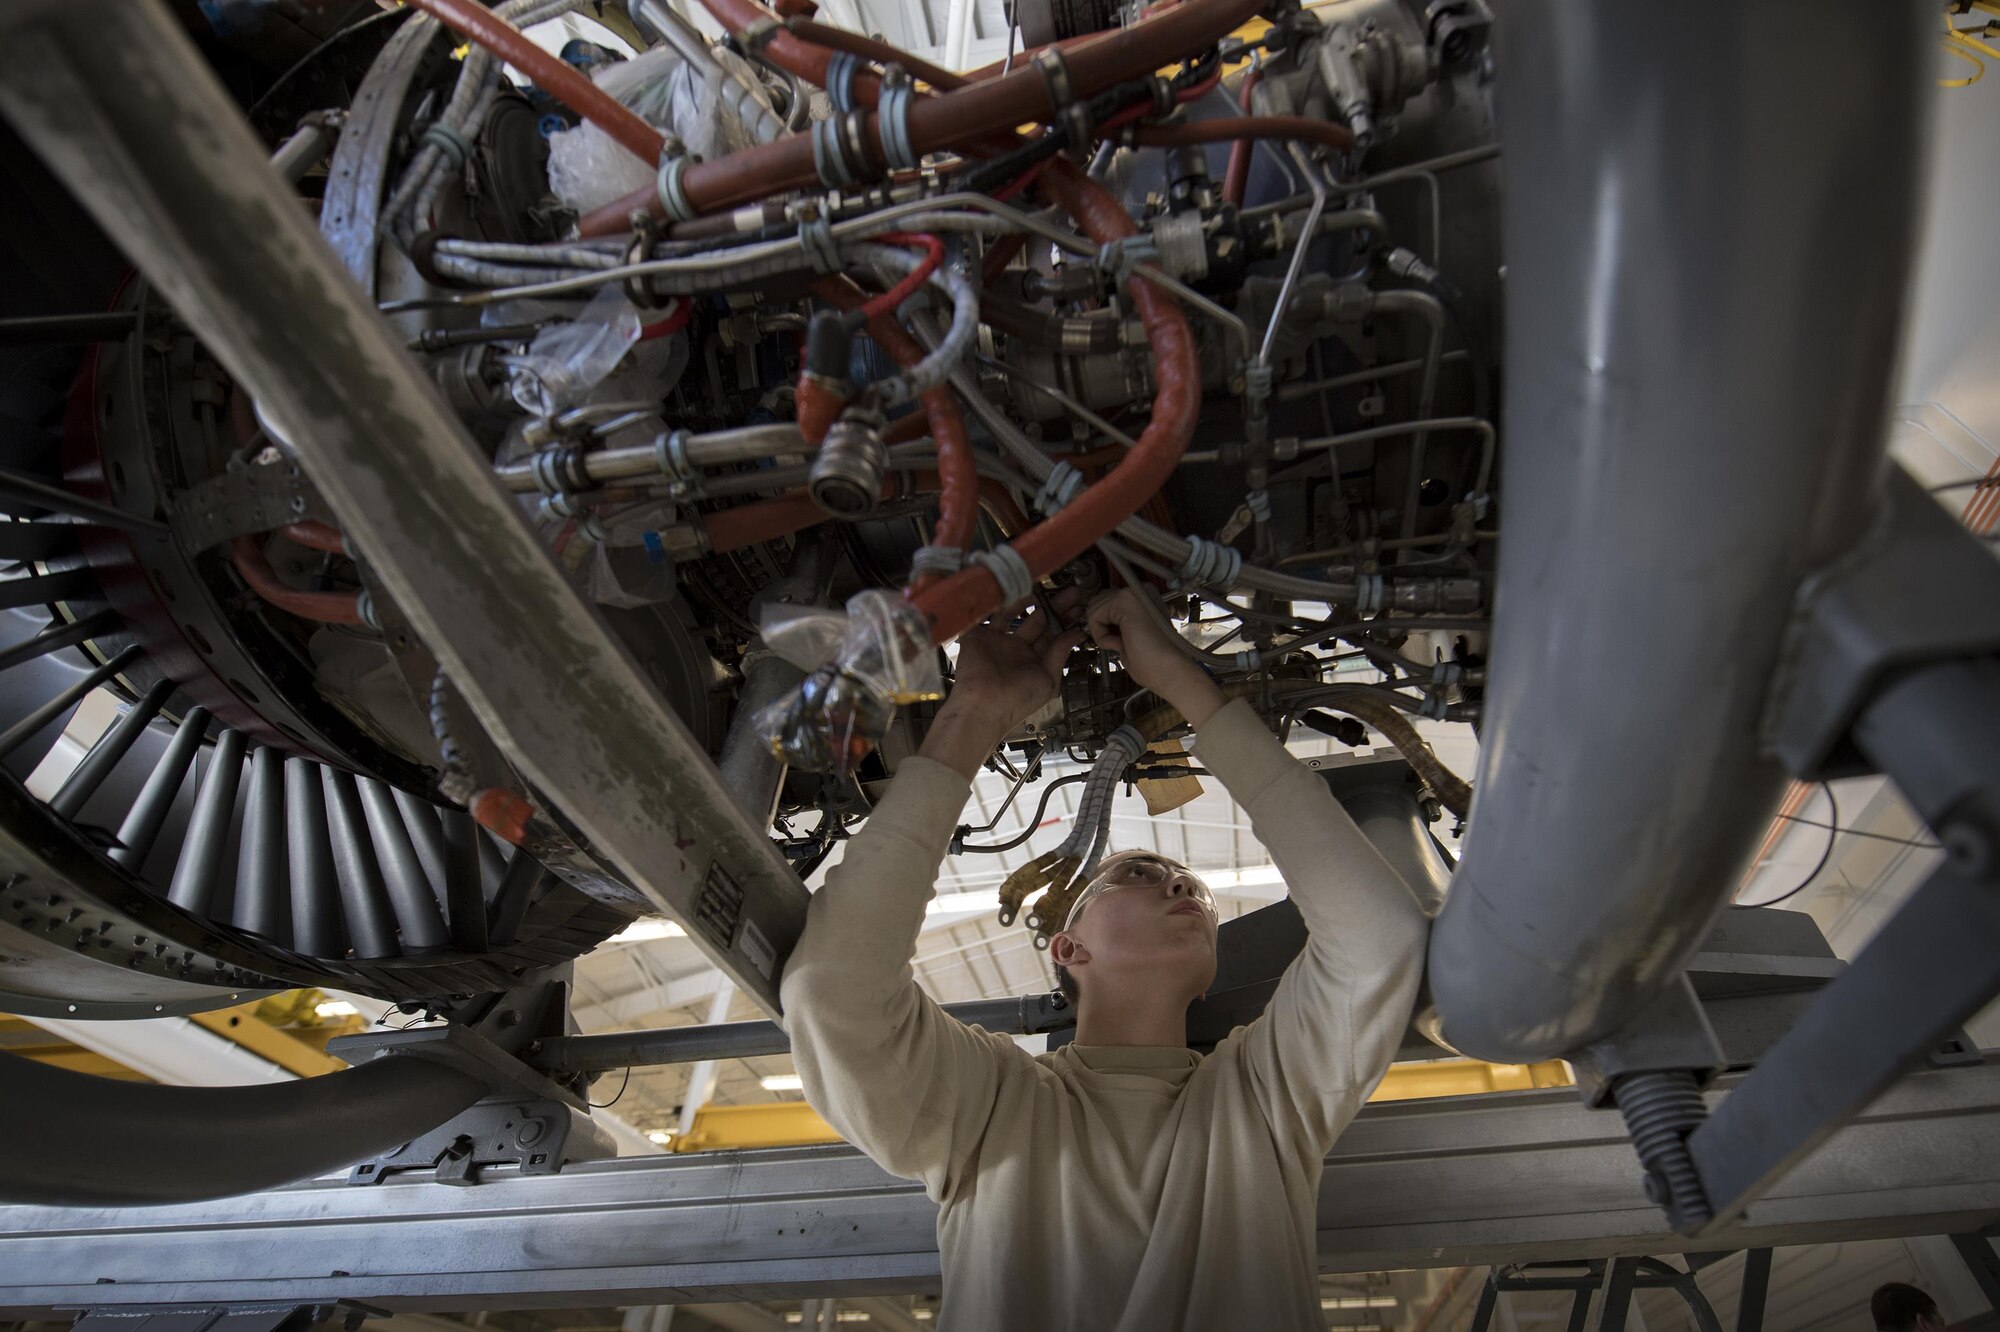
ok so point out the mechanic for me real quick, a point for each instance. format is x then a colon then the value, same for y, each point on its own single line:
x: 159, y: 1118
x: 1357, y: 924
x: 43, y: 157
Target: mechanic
x: 1122, y: 1181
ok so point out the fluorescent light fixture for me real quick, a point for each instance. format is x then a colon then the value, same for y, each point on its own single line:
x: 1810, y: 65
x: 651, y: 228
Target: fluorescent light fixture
x: 647, y: 929
x: 840, y: 1316
x: 1360, y: 1302
x: 1250, y: 876
x: 783, y: 1082
x: 333, y: 1008
x: 659, y: 1137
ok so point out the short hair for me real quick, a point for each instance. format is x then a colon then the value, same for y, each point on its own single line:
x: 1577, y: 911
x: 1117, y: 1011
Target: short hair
x: 1897, y: 1307
x: 1066, y: 987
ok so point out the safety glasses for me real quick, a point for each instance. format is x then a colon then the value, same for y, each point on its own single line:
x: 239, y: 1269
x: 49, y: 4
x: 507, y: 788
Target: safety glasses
x: 1141, y: 871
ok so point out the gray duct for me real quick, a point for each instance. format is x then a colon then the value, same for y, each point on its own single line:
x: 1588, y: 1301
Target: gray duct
x: 1709, y: 216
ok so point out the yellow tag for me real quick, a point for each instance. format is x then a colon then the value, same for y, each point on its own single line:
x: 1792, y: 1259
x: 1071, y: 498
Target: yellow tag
x: 1164, y: 794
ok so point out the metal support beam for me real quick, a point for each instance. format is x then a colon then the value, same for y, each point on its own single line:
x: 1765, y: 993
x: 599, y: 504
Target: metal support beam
x: 1464, y: 1182
x: 115, y: 98
x: 1755, y: 1289
x: 1982, y: 1262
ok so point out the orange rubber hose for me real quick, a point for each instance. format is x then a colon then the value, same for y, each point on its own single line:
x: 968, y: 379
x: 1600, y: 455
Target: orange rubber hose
x: 323, y: 607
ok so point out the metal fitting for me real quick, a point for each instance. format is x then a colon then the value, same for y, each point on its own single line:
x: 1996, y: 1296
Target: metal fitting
x: 847, y: 472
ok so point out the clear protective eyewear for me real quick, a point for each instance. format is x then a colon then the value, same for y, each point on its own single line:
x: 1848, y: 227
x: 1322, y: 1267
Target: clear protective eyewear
x: 1142, y: 871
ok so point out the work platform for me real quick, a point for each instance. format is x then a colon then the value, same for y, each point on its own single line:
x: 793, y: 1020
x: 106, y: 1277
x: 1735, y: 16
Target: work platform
x: 1511, y: 1176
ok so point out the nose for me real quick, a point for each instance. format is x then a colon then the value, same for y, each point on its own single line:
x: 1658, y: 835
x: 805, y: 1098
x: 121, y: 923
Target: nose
x: 1180, y: 885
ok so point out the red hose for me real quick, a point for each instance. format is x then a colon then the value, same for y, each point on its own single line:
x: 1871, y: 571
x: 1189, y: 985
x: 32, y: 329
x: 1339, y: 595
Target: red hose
x: 795, y: 511
x: 958, y: 491
x: 891, y: 300
x: 315, y: 535
x: 957, y: 603
x: 950, y: 119
x: 1236, y: 176
x: 1303, y: 128
x: 552, y: 75
x: 323, y: 607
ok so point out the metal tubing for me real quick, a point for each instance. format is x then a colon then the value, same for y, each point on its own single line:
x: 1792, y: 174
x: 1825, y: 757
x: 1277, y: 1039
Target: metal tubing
x: 316, y: 929
x: 104, y: 1143
x: 262, y: 904
x: 745, y: 444
x: 115, y: 98
x: 371, y: 920
x: 197, y: 872
x: 1698, y: 418
x: 1428, y: 308
x: 410, y: 893
x: 21, y: 731
x: 82, y: 783
x: 744, y: 1040
x: 156, y: 798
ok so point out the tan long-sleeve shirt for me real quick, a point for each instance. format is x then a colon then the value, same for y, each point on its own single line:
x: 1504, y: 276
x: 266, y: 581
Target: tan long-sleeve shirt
x: 1103, y: 1187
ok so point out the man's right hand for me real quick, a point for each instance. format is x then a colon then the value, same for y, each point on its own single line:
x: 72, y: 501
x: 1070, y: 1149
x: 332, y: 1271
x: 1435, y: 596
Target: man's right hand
x: 1120, y: 623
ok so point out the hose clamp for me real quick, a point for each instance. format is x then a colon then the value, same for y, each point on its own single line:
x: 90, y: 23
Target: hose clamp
x: 1116, y: 258
x: 892, y: 122
x: 1368, y: 594
x: 816, y: 239
x: 830, y: 155
x: 1064, y: 484
x: 558, y: 469
x: 1210, y: 565
x: 939, y: 561
x: 841, y: 67
x: 674, y: 201
x: 670, y: 456
x: 448, y: 141
x: 1017, y: 582
x: 1055, y: 73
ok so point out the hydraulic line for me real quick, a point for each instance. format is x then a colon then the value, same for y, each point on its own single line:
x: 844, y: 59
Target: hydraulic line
x: 1236, y: 176
x: 868, y: 48
x: 1242, y: 129
x: 963, y: 600
x: 947, y: 120
x: 325, y: 607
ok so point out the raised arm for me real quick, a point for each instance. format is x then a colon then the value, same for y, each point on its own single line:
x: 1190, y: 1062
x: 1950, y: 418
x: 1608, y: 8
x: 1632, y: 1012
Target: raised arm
x: 1340, y: 1011
x: 897, y: 1076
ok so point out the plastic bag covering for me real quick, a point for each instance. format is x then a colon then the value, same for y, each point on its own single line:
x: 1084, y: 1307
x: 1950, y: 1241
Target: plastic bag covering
x: 587, y: 169
x: 566, y: 361
x: 879, y: 658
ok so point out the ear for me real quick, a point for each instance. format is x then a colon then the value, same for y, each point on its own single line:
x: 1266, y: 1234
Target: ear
x: 1066, y: 950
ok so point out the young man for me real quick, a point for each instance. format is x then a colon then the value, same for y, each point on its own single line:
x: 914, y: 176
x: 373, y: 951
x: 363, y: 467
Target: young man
x: 1123, y: 1181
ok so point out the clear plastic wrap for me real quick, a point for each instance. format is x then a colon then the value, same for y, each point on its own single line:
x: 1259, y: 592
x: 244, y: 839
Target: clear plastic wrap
x: 566, y: 361
x: 587, y: 169
x: 864, y: 664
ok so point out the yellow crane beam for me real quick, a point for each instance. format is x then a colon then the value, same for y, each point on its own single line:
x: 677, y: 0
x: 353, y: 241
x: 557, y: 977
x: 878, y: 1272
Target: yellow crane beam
x: 796, y: 1124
